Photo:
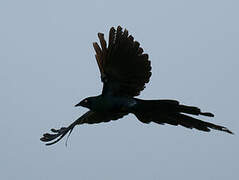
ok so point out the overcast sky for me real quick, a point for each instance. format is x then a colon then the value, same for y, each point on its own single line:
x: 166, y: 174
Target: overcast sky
x: 47, y: 65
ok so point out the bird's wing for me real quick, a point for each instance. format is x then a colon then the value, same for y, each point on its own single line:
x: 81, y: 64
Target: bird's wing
x: 124, y: 68
x: 89, y: 117
x: 92, y: 117
x: 174, y: 113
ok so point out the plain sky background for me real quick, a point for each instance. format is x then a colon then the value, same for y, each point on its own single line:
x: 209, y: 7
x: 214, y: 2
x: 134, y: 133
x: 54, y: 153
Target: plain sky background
x: 47, y: 65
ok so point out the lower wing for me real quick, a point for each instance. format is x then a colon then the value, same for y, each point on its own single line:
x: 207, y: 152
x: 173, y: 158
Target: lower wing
x: 89, y: 117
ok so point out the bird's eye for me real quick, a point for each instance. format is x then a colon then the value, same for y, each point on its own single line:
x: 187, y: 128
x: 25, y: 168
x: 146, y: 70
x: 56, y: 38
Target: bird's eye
x: 86, y: 101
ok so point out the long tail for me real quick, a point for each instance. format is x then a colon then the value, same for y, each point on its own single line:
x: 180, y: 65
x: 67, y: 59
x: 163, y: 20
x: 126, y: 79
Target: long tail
x: 171, y: 112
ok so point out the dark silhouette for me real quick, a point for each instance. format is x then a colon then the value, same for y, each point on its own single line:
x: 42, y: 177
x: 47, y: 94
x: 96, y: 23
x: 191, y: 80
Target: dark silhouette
x: 125, y: 70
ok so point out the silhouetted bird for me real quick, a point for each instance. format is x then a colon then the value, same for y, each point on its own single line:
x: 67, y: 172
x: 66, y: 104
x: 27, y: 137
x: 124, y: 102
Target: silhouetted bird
x: 125, y: 70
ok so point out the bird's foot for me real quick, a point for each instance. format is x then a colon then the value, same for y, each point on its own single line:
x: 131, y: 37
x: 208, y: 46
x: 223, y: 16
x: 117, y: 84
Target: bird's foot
x: 57, y: 133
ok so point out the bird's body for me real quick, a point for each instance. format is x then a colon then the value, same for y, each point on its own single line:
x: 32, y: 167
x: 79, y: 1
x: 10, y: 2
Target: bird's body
x: 125, y: 70
x: 111, y: 104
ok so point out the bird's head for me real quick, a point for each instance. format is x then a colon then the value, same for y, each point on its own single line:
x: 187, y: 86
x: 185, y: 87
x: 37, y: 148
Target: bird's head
x: 87, y: 102
x: 84, y: 103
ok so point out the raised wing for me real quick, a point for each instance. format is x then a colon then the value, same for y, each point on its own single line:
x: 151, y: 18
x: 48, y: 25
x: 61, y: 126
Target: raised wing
x: 89, y: 117
x: 124, y: 68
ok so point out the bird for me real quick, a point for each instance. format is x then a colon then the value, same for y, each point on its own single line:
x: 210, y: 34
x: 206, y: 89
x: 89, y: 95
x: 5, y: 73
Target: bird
x: 124, y: 71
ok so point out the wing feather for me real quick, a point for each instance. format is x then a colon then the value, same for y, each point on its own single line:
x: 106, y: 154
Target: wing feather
x: 124, y: 68
x: 89, y: 117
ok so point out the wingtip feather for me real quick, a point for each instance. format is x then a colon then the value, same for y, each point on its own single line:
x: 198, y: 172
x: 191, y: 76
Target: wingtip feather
x: 207, y: 114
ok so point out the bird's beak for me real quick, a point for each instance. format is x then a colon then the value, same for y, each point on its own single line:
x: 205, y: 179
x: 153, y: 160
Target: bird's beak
x: 79, y: 104
x: 83, y: 103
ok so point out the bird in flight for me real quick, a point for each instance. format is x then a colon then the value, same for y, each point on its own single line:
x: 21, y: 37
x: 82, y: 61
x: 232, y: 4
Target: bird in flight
x: 125, y: 70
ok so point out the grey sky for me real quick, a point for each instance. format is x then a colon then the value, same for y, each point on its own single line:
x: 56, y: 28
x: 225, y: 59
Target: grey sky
x: 47, y: 65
